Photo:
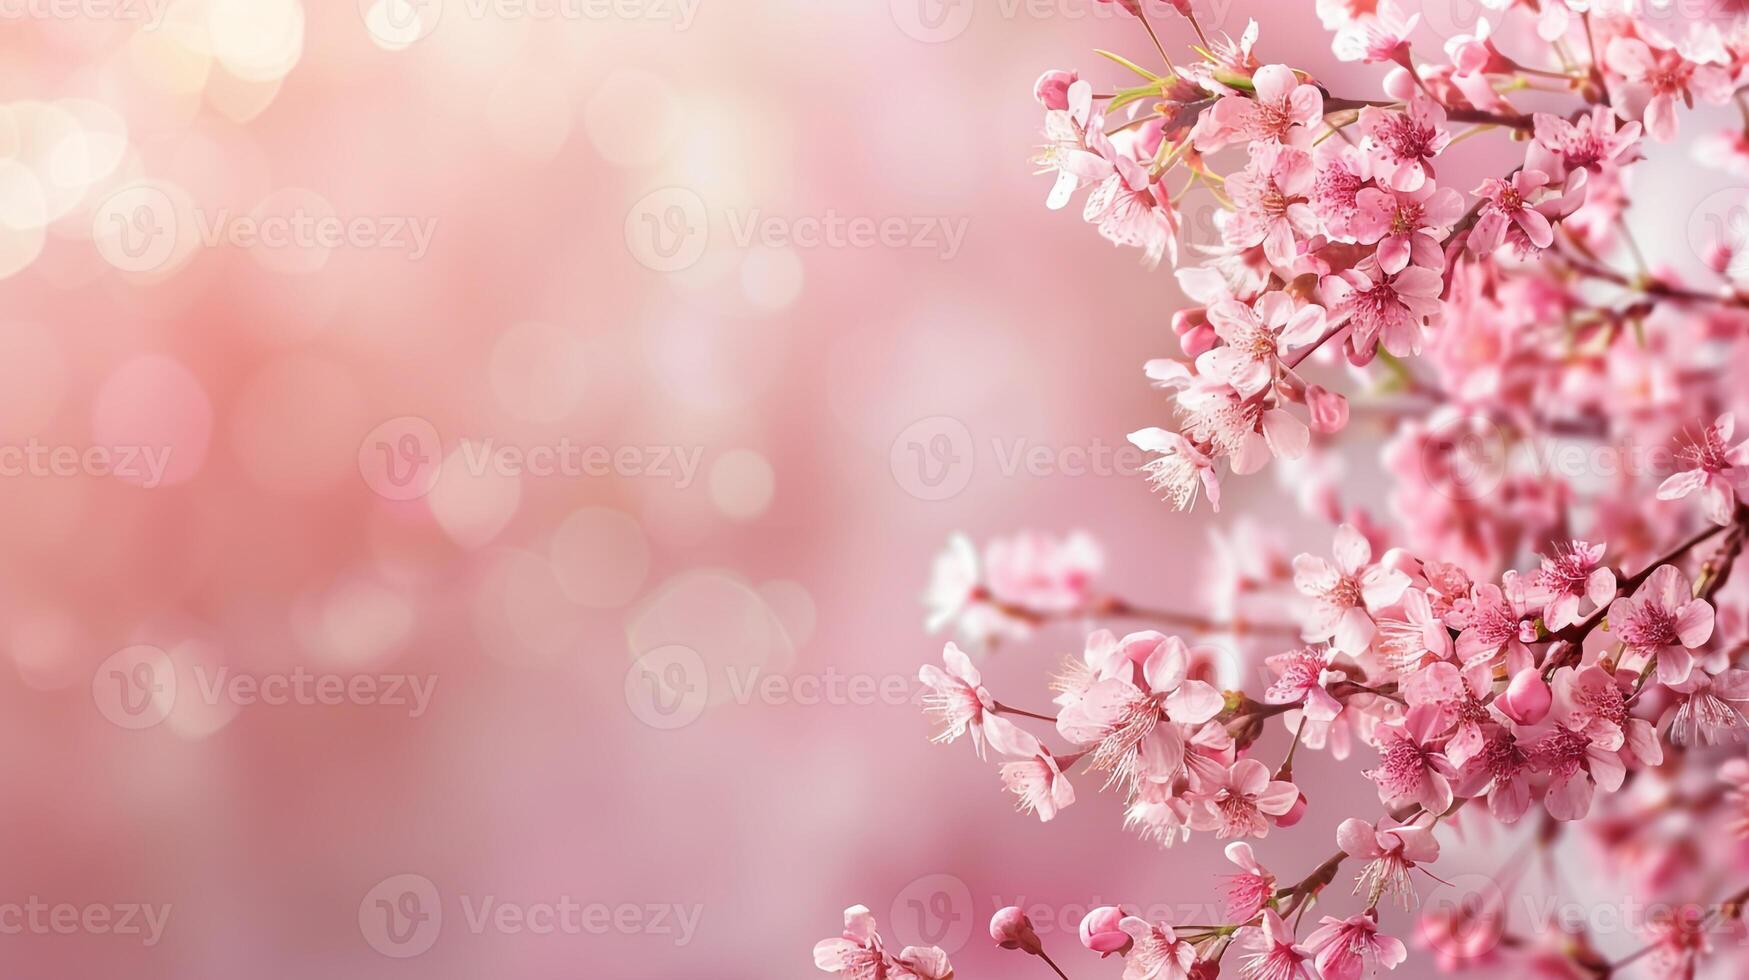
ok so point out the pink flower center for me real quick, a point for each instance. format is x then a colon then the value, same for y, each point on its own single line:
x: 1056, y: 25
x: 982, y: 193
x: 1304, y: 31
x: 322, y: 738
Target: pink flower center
x: 1336, y: 187
x: 1503, y: 759
x: 1406, y: 139
x: 1706, y: 453
x: 1562, y: 751
x: 1408, y: 218
x: 1565, y: 574
x: 1651, y: 625
x: 1402, y: 767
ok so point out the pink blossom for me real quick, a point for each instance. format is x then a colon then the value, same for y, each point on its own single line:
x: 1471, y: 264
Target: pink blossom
x: 1509, y: 201
x: 1594, y: 141
x: 1125, y: 205
x: 1718, y: 470
x: 859, y: 954
x: 1011, y: 929
x: 1410, y: 769
x: 1179, y: 469
x: 1412, y: 223
x: 1502, y: 769
x: 1347, y: 949
x: 1249, y: 431
x: 1380, y: 36
x: 1041, y: 572
x: 1664, y: 621
x: 1282, y: 111
x: 1255, y: 335
x: 1052, y: 88
x: 1495, y: 620
x: 1236, y: 802
x: 1576, y: 763
x: 1383, y: 307
x: 1036, y: 781
x: 1576, y: 582
x: 1342, y: 172
x: 1347, y: 593
x: 1269, y: 197
x: 1303, y: 677
x: 1102, y: 931
x: 1135, y: 728
x: 1706, y: 711
x: 1527, y: 698
x: 1391, y: 850
x: 1403, y: 143
x: 958, y: 700
x: 1417, y: 632
x: 954, y: 581
x: 1158, y: 953
x: 1271, y: 952
x: 1252, y: 888
x: 1652, y: 81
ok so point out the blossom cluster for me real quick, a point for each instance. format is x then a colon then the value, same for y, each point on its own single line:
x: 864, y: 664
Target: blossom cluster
x: 1514, y: 642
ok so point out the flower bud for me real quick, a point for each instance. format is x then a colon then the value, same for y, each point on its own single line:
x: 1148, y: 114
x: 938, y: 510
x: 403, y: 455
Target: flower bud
x: 1052, y: 88
x: 1013, y: 930
x: 1195, y: 334
x: 1527, y: 698
x: 1329, y: 410
x: 1101, y: 931
x: 1294, y: 813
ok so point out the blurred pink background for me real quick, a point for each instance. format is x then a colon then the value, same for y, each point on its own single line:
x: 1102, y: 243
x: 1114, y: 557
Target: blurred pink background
x: 725, y: 441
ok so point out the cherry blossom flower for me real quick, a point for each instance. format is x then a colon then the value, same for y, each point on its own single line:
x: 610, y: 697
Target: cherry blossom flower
x: 1043, y: 573
x: 1347, y: 949
x: 1380, y: 36
x: 1576, y: 763
x: 959, y: 701
x: 1124, y: 204
x: 1510, y: 201
x: 1248, y: 431
x: 1303, y: 677
x: 1237, y: 802
x: 1102, y: 932
x: 1410, y: 769
x: 1254, y: 337
x: 1561, y: 147
x: 1383, y: 307
x: 1271, y: 952
x: 1663, y: 620
x: 1403, y: 142
x: 1036, y: 781
x: 1576, y: 582
x: 1417, y: 632
x: 1347, y: 593
x: 953, y: 582
x: 1158, y: 953
x: 1495, y: 620
x: 1134, y: 729
x: 1270, y: 201
x: 1707, y: 709
x: 1502, y: 769
x: 1391, y: 850
x: 1718, y: 470
x: 1179, y: 469
x: 1652, y: 81
x: 1282, y: 111
x: 1342, y: 172
x: 1251, y: 889
x: 860, y: 955
x: 1411, y: 223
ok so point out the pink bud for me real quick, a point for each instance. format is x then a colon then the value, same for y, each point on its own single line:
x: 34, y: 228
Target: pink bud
x: 1294, y: 813
x: 1102, y: 933
x: 1195, y: 334
x: 1527, y: 698
x: 1052, y: 88
x: 1328, y: 408
x: 1013, y: 930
